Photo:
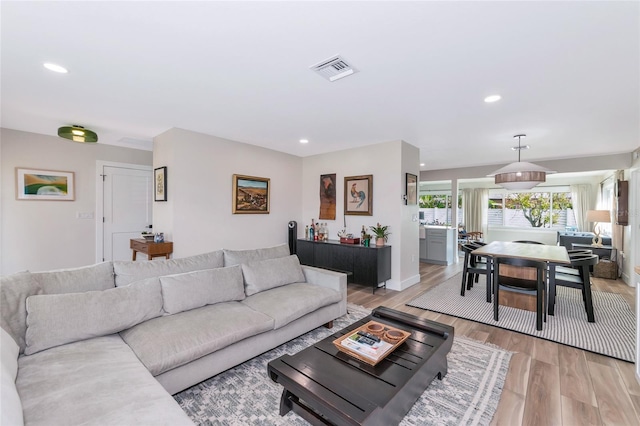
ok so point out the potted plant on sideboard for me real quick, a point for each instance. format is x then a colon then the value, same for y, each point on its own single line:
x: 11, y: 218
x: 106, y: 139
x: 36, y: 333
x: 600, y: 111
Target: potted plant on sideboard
x: 381, y: 233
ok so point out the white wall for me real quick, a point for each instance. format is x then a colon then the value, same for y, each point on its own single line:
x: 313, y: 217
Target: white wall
x: 197, y: 216
x: 43, y: 235
x: 386, y: 162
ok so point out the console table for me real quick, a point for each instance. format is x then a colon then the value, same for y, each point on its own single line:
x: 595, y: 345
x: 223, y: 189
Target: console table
x: 369, y: 266
x: 150, y: 248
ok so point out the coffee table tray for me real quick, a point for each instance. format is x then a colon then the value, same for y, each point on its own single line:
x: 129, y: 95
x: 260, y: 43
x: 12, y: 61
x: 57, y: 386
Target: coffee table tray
x: 367, y: 353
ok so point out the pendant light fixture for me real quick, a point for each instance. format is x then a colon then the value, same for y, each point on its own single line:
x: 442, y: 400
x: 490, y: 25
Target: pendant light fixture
x: 77, y: 134
x: 520, y: 175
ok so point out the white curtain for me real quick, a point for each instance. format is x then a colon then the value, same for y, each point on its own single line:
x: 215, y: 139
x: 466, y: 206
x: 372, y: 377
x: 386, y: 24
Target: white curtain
x: 475, y: 204
x: 582, y: 200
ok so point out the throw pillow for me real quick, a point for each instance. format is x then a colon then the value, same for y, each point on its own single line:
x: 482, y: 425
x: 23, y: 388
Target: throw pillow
x: 183, y: 292
x: 265, y: 274
x: 14, y: 290
x: 56, y: 319
x: 76, y: 280
x: 237, y: 257
x: 128, y: 272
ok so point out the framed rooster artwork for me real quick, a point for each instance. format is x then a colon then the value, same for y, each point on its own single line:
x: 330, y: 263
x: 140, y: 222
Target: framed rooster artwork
x: 358, y: 195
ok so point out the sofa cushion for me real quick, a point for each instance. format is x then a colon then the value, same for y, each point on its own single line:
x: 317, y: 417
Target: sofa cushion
x: 132, y: 271
x: 11, y: 413
x: 182, y: 292
x: 265, y: 274
x: 237, y: 257
x: 87, y: 278
x: 93, y: 382
x: 56, y: 319
x: 171, y: 341
x: 14, y: 290
x: 290, y: 302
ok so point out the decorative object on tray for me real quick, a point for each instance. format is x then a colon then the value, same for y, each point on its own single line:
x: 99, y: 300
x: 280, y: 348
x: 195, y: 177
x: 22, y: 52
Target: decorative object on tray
x: 346, y: 238
x: 381, y: 232
x: 149, y: 236
x: 369, y: 347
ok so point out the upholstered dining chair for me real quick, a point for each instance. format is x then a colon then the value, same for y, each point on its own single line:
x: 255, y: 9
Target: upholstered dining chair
x: 474, y: 266
x: 581, y: 281
x: 525, y: 284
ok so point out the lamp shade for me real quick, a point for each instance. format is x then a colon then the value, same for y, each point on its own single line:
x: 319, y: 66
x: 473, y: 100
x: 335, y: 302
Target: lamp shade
x: 520, y: 175
x: 77, y: 134
x: 602, y: 216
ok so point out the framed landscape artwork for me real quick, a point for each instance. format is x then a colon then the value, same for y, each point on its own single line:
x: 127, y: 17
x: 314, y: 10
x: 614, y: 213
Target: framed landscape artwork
x: 358, y: 195
x: 251, y: 194
x: 160, y: 184
x: 412, y: 189
x: 33, y: 184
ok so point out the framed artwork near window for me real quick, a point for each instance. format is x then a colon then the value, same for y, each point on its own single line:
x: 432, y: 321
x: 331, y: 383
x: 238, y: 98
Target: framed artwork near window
x: 50, y: 185
x: 358, y: 195
x: 160, y: 184
x: 411, y: 189
x: 251, y: 194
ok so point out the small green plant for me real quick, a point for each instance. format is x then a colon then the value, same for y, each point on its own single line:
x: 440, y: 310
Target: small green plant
x: 380, y: 231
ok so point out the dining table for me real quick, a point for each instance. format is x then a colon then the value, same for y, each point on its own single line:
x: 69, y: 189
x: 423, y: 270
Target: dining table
x: 537, y: 252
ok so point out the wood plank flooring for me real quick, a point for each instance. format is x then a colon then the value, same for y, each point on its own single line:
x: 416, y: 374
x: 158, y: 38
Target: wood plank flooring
x: 547, y: 383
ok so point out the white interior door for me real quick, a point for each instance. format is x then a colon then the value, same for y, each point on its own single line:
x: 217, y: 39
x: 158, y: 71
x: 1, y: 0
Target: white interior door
x: 127, y: 208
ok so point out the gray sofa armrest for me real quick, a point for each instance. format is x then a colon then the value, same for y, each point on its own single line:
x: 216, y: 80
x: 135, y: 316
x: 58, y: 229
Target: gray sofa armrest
x: 326, y: 278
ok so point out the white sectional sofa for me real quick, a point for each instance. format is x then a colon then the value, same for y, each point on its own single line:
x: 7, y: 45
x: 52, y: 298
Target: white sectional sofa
x: 109, y: 344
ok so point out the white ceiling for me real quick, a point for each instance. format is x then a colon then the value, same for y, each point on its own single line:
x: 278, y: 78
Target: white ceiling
x: 568, y: 73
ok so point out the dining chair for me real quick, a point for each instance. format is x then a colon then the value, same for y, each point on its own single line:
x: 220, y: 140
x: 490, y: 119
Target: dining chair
x: 524, y: 285
x: 582, y: 281
x: 473, y: 267
x: 527, y: 242
x: 570, y: 269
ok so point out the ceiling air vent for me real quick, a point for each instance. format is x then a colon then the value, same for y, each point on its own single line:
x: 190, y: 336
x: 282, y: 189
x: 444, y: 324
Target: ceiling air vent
x: 334, y: 68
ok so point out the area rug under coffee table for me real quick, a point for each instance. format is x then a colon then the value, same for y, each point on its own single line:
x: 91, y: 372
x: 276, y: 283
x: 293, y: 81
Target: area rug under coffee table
x: 468, y: 394
x: 613, y: 334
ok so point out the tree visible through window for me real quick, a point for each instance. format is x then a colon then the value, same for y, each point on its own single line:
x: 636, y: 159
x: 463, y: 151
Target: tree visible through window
x: 531, y: 209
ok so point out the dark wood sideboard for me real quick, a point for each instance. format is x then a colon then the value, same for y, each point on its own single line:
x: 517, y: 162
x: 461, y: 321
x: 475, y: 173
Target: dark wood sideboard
x: 368, y: 266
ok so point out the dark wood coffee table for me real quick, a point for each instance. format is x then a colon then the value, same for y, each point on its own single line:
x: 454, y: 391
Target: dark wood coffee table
x: 326, y: 386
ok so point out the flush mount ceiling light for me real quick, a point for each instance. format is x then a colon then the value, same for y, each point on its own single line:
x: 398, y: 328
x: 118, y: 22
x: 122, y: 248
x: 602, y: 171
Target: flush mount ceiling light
x: 520, y: 175
x: 492, y: 98
x: 55, y: 68
x: 304, y: 140
x: 77, y: 134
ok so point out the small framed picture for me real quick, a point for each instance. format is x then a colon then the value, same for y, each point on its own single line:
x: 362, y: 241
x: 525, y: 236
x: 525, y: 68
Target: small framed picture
x: 412, y: 189
x: 160, y: 184
x: 251, y: 194
x: 358, y: 195
x: 51, y: 185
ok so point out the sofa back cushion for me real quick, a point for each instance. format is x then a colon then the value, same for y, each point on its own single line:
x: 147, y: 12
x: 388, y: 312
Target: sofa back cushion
x: 238, y: 257
x: 191, y: 290
x: 128, y: 272
x: 14, y: 290
x: 87, y: 278
x: 265, y: 274
x: 56, y: 319
x: 11, y: 413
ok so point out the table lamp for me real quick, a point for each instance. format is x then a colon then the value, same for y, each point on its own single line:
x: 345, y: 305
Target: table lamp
x: 598, y: 216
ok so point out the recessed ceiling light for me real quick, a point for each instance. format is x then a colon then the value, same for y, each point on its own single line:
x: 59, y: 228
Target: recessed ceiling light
x: 55, y: 68
x: 421, y: 164
x: 304, y: 140
x: 492, y: 98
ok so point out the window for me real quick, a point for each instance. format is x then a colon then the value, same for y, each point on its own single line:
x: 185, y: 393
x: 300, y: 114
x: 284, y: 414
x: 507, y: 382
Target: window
x: 437, y: 209
x: 548, y: 209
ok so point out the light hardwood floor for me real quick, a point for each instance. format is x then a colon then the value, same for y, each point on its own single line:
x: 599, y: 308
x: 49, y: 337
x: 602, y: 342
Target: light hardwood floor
x: 547, y: 383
